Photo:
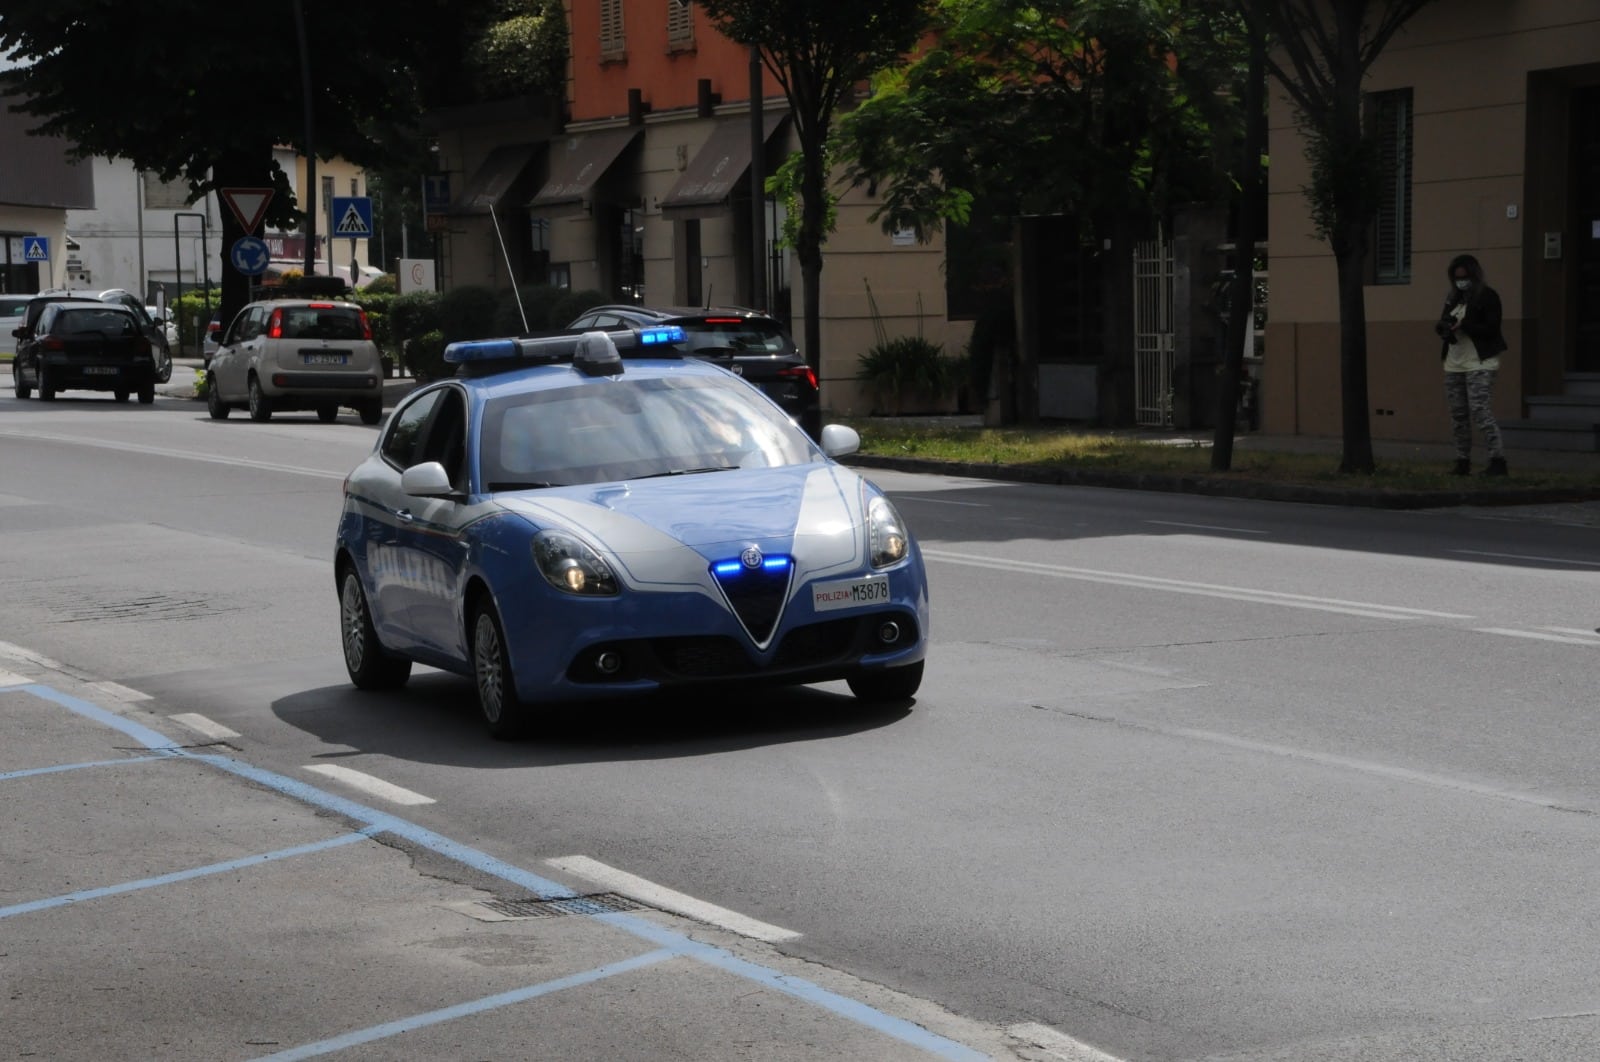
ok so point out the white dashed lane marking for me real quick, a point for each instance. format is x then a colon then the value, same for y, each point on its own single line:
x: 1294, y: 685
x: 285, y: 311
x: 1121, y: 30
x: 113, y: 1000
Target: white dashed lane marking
x: 201, y: 725
x: 370, y: 785
x: 664, y: 899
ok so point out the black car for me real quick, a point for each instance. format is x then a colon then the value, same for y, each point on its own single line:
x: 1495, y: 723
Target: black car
x: 153, y: 329
x: 746, y: 342
x: 85, y: 345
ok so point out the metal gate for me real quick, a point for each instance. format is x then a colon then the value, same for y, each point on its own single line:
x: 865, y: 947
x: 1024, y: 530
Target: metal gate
x: 1152, y: 332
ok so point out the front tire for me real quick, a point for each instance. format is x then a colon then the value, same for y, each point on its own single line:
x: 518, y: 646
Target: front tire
x: 369, y: 666
x: 22, y: 390
x: 371, y: 411
x: 491, y: 671
x: 214, y: 404
x: 260, y: 404
x: 163, y: 365
x: 888, y: 685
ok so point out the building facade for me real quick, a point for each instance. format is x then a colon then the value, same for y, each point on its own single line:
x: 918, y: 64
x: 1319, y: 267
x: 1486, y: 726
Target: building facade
x: 39, y: 184
x: 1490, y: 115
x: 641, y: 191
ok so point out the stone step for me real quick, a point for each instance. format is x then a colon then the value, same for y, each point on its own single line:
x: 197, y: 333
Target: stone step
x: 1551, y: 435
x: 1583, y: 409
x: 1581, y: 383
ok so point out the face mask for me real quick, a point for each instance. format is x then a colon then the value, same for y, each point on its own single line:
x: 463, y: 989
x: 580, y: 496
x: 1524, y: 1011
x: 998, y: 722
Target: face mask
x: 1463, y: 285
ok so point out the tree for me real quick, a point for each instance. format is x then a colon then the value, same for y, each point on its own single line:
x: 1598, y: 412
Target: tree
x: 117, y: 80
x: 819, y: 51
x: 1323, y: 50
x: 1105, y: 112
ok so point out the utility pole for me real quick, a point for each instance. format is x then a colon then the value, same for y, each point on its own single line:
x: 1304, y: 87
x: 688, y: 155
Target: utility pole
x: 311, y: 150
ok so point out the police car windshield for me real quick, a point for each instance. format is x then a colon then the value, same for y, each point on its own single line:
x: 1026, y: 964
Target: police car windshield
x: 615, y: 429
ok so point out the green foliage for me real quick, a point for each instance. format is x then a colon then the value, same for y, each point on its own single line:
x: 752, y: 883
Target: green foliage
x: 424, y: 356
x: 202, y: 383
x: 384, y: 285
x: 540, y: 302
x: 376, y: 305
x: 468, y: 312
x: 784, y: 186
x: 413, y: 315
x: 525, y: 53
x: 910, y: 369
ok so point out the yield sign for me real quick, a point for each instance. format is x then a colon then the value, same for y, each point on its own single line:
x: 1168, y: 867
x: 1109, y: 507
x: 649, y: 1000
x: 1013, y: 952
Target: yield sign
x: 249, y: 205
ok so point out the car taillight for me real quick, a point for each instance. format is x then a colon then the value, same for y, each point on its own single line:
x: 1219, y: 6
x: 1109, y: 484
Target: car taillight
x: 723, y: 320
x: 275, y: 325
x: 53, y: 343
x: 801, y: 372
x: 366, y: 327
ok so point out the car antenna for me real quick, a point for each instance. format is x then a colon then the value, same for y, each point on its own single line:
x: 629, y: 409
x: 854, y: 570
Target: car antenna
x: 510, y: 273
x: 709, y: 288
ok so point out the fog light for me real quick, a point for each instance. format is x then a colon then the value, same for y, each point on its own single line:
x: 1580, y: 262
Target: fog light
x: 889, y: 633
x: 608, y: 663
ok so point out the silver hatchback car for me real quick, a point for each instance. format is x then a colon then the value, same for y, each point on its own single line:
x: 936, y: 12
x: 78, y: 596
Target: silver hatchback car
x: 297, y: 354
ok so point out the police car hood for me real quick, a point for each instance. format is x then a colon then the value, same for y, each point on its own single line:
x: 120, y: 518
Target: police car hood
x: 654, y: 527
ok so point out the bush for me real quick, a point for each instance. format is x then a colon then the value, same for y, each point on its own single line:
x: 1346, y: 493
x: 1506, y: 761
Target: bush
x: 424, y: 357
x: 908, y: 368
x: 413, y: 315
x: 468, y: 313
x: 384, y: 285
x: 573, y: 304
x: 538, y: 302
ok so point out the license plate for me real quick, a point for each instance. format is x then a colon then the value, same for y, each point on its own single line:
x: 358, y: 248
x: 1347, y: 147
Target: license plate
x: 100, y: 370
x: 326, y: 359
x: 850, y: 593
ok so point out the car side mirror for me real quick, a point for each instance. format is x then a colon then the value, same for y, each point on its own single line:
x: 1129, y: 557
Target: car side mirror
x: 839, y: 440
x: 427, y: 480
x: 20, y: 333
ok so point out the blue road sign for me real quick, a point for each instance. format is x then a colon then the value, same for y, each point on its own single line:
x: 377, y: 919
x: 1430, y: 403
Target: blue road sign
x: 250, y: 255
x: 352, y: 216
x: 36, y: 248
x: 436, y: 193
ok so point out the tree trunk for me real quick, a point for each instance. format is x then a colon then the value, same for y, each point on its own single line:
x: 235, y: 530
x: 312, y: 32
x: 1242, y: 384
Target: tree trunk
x: 1241, y: 300
x: 1357, y: 457
x: 237, y: 171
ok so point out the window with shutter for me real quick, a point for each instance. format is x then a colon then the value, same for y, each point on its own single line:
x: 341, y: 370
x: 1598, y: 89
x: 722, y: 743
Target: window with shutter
x: 612, y: 42
x: 680, y: 24
x: 1391, y: 244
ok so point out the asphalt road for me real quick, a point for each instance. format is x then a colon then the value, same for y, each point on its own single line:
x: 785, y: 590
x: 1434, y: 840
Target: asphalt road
x: 1188, y: 778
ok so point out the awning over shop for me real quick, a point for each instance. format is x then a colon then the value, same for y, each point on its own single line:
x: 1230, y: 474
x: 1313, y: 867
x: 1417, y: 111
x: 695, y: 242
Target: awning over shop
x: 494, y: 178
x: 577, y: 162
x: 706, y: 187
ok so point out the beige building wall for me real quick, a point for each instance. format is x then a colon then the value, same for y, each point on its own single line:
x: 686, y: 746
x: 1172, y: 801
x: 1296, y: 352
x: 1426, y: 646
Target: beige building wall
x: 1468, y: 64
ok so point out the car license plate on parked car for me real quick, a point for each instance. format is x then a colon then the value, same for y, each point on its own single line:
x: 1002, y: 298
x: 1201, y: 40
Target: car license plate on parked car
x: 326, y: 359
x: 850, y: 593
x: 100, y: 370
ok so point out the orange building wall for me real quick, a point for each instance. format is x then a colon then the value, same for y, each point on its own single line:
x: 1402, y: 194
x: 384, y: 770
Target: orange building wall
x: 668, y: 78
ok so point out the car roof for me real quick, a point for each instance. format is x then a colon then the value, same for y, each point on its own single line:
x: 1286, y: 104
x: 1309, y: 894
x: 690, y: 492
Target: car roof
x: 662, y: 313
x: 554, y: 377
x: 302, y: 303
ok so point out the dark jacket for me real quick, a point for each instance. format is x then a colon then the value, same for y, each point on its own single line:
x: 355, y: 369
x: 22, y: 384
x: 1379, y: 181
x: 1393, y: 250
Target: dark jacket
x: 1481, y: 322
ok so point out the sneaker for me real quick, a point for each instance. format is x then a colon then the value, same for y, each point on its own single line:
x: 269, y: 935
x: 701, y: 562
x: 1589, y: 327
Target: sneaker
x: 1462, y: 467
x: 1496, y: 467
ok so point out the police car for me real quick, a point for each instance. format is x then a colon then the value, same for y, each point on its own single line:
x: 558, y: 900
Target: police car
x: 592, y: 517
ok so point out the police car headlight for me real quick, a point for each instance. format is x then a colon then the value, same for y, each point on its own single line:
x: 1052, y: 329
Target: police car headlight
x: 886, y: 534
x: 571, y: 566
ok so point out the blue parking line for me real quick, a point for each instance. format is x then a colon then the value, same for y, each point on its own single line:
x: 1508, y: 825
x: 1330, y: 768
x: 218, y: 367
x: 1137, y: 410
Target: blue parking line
x: 179, y: 875
x: 31, y: 771
x: 673, y: 942
x: 463, y: 1010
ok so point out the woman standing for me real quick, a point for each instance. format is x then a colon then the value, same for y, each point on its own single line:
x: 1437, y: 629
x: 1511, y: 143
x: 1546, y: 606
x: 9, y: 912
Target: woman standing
x: 1470, y: 328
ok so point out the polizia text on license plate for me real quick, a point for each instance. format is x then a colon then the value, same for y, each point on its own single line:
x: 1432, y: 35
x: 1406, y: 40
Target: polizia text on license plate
x: 850, y: 593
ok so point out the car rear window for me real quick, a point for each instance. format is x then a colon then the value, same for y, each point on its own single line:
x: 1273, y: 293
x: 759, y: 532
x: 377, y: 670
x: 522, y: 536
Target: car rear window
x: 328, y: 322
x: 736, y: 335
x: 87, y: 320
x: 13, y: 308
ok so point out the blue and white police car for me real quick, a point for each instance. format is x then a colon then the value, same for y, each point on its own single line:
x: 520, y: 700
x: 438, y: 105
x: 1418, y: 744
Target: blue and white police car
x: 595, y: 516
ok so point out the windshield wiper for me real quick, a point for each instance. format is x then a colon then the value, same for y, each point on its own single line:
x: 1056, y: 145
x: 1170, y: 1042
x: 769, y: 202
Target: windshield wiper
x: 689, y: 471
x: 524, y: 484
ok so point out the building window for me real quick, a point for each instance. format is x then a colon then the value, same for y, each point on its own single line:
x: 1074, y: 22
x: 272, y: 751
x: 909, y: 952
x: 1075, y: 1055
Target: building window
x: 630, y: 257
x: 612, y: 42
x: 680, y: 24
x: 1390, y: 113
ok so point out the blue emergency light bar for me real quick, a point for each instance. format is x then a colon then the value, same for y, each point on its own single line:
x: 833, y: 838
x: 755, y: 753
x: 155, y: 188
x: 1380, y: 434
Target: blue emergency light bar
x: 588, y: 349
x: 734, y: 567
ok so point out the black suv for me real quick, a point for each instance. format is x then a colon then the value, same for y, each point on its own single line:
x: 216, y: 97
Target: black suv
x: 746, y: 342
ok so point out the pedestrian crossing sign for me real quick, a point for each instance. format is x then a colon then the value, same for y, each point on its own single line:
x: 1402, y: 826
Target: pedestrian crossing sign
x: 36, y: 248
x: 352, y: 216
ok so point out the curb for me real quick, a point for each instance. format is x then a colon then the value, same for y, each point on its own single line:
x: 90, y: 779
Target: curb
x: 1221, y: 486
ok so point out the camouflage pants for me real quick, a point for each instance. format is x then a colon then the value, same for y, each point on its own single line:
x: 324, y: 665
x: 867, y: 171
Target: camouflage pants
x: 1468, y: 395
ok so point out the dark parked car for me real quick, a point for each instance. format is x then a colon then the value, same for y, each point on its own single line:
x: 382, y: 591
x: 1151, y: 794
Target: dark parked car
x: 748, y: 343
x: 85, y: 345
x: 155, y: 330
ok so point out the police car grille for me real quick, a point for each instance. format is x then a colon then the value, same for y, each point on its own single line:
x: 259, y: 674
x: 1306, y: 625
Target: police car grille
x: 816, y: 643
x: 701, y: 657
x: 757, y: 598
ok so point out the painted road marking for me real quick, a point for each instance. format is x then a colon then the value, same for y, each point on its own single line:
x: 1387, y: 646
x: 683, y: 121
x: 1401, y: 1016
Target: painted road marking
x: 17, y: 652
x: 665, y: 899
x: 201, y: 725
x: 1541, y: 636
x: 1208, y: 527
x: 115, y: 691
x: 1526, y: 557
x: 11, y: 678
x: 186, y: 455
x: 1058, y: 1044
x: 370, y: 785
x: 1184, y: 586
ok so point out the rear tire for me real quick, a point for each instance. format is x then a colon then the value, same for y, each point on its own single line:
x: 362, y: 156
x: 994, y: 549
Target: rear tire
x: 260, y: 404
x: 327, y: 414
x: 887, y: 686
x: 369, y: 666
x: 47, y: 389
x: 503, y: 714
x: 218, y: 409
x: 147, y: 395
x: 371, y: 411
